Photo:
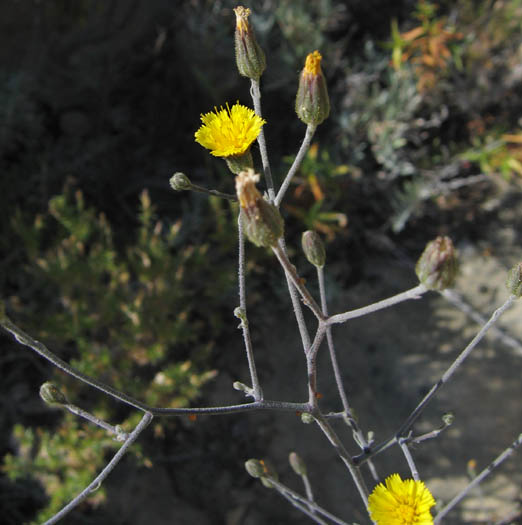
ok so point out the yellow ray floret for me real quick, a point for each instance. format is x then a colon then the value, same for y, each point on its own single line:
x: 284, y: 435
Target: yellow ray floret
x: 401, y: 502
x: 228, y: 132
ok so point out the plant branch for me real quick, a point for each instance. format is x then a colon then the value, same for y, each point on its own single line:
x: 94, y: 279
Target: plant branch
x: 216, y: 193
x: 145, y: 420
x: 42, y: 350
x: 255, y: 92
x: 258, y: 393
x: 297, y: 281
x: 478, y: 479
x: 413, y: 293
x: 310, y: 130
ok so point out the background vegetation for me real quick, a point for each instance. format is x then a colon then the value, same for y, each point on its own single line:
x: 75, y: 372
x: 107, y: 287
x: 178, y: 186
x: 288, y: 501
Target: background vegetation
x: 99, y: 102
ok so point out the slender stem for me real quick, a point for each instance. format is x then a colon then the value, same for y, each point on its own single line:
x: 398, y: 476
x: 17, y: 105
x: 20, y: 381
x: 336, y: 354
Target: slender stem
x: 443, y: 380
x: 454, y: 366
x: 311, y: 366
x: 478, y: 479
x: 296, y: 304
x: 361, y: 441
x: 255, y: 92
x: 345, y: 457
x: 413, y: 293
x: 258, y: 393
x: 308, y: 490
x: 454, y: 298
x: 291, y: 495
x: 41, y: 349
x: 310, y: 130
x: 117, y: 431
x: 297, y: 281
x: 145, y: 420
x: 216, y: 193
x: 403, y: 443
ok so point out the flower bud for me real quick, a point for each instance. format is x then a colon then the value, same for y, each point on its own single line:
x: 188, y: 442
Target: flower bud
x: 437, y: 266
x: 297, y: 463
x: 313, y: 248
x: 262, y: 221
x: 514, y: 280
x: 307, y: 418
x: 250, y: 59
x: 312, y: 104
x: 255, y: 468
x: 268, y: 470
x: 52, y: 395
x: 180, y: 182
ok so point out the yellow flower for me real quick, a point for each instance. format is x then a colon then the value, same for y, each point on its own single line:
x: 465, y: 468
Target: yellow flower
x: 401, y: 502
x: 229, y: 132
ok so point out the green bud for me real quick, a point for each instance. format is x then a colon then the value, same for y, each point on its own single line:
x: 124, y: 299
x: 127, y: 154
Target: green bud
x: 255, y: 468
x: 448, y: 419
x: 312, y: 104
x: 250, y: 59
x: 313, y: 248
x: 52, y: 395
x: 514, y: 280
x: 268, y: 471
x: 437, y: 267
x: 307, y: 418
x: 297, y: 463
x: 261, y: 219
x: 180, y: 182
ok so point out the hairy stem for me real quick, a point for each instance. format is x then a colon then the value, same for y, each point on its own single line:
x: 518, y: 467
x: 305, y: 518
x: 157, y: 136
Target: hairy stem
x: 310, y: 130
x: 478, y: 479
x: 255, y: 92
x: 258, y: 394
x: 145, y: 420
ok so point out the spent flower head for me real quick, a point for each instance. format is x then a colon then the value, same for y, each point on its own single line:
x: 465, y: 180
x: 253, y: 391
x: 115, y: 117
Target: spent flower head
x: 229, y: 132
x: 262, y: 220
x: 401, y: 502
x: 437, y: 267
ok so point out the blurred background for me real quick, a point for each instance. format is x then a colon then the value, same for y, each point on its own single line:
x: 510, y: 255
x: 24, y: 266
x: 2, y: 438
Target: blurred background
x: 134, y: 284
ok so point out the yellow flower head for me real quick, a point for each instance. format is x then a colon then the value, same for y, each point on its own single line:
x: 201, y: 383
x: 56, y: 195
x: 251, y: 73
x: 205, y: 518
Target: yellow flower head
x: 401, y: 502
x: 313, y: 63
x: 229, y: 132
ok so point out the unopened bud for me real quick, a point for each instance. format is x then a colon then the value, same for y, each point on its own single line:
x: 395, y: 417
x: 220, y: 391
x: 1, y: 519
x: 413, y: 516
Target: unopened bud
x: 268, y: 470
x: 307, y: 418
x: 180, y: 182
x: 312, y: 104
x: 514, y: 280
x: 297, y: 463
x: 250, y: 59
x: 255, y: 468
x: 437, y: 267
x: 313, y: 248
x: 448, y: 419
x: 52, y: 395
x: 262, y: 221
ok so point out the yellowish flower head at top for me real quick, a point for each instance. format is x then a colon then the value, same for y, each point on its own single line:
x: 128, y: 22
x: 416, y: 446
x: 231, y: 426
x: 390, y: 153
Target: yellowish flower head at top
x: 229, y: 132
x: 313, y: 63
x: 399, y: 502
x: 242, y: 14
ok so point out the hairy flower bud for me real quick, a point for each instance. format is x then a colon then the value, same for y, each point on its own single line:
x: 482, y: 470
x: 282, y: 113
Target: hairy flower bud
x: 262, y: 221
x: 180, y: 182
x: 52, y: 395
x: 297, y: 463
x: 312, y: 104
x: 437, y: 266
x: 514, y: 280
x: 313, y: 248
x: 250, y: 59
x: 255, y: 468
